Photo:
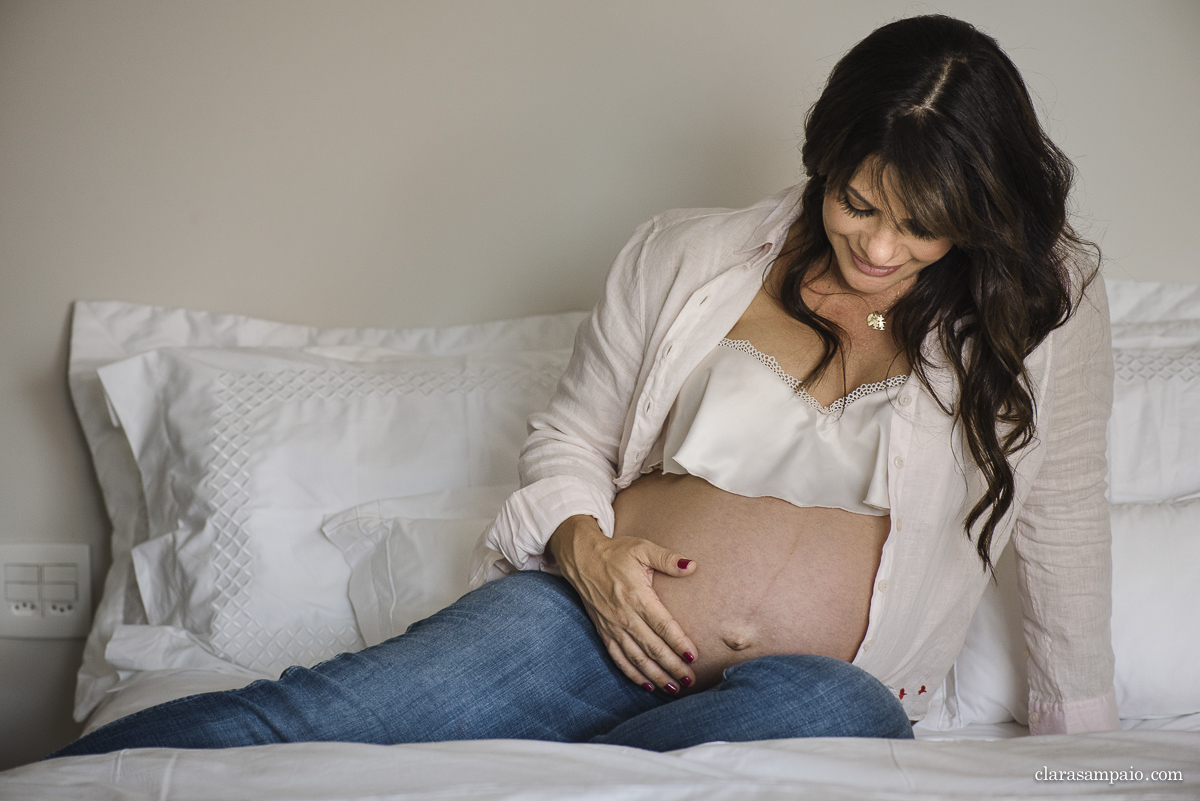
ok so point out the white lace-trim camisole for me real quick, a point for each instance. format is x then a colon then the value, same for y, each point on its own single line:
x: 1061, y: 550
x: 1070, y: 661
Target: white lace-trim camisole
x: 745, y: 426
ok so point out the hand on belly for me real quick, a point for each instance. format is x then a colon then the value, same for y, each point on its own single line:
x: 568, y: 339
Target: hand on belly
x: 770, y: 577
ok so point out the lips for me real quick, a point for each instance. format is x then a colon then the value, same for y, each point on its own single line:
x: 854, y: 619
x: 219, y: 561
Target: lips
x: 867, y: 268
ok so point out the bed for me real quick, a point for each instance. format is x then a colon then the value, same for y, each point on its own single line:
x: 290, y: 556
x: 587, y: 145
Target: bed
x: 279, y: 494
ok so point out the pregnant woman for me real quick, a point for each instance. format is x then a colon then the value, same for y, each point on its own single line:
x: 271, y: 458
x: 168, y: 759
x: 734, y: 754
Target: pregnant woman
x: 791, y: 441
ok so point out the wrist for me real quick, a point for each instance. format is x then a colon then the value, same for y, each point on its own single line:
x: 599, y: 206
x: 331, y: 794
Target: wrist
x: 568, y: 534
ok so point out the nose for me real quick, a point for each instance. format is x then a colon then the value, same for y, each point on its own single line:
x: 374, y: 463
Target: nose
x: 882, y: 245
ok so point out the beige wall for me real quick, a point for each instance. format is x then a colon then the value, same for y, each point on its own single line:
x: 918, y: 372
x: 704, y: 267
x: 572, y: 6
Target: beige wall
x: 405, y: 163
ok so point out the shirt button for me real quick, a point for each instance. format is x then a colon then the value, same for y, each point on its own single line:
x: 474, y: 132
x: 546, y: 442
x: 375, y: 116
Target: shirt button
x: 702, y: 300
x: 898, y: 461
x: 867, y: 644
x: 1034, y: 717
x: 668, y: 350
x: 905, y: 400
x: 882, y: 585
x: 647, y: 406
x: 897, y: 524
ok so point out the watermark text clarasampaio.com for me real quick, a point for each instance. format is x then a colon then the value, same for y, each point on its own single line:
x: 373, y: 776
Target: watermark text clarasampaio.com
x: 1131, y: 774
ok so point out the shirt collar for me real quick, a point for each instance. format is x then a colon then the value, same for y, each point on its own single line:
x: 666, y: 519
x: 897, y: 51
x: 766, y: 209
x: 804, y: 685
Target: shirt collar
x: 768, y: 237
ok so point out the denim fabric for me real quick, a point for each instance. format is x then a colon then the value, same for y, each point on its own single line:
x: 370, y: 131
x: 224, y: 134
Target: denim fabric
x: 517, y: 659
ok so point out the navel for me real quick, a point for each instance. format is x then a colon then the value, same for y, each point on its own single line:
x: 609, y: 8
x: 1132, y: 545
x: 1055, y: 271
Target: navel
x: 737, y: 642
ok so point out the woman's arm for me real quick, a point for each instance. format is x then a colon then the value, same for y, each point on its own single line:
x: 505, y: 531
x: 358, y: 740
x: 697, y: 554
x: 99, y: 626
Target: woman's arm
x: 1062, y: 540
x: 568, y: 467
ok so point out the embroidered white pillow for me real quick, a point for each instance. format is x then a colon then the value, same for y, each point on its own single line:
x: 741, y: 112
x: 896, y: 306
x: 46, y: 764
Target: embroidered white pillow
x: 103, y: 332
x: 1154, y: 430
x: 244, y: 452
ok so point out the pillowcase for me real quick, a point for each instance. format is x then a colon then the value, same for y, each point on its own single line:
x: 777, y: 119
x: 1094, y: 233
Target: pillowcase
x: 244, y: 452
x: 103, y: 332
x: 1152, y: 301
x: 1155, y: 632
x: 1154, y: 430
x: 410, y: 557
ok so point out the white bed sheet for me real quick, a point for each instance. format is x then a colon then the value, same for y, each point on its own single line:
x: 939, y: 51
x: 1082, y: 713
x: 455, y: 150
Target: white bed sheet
x: 986, y: 761
x: 832, y: 768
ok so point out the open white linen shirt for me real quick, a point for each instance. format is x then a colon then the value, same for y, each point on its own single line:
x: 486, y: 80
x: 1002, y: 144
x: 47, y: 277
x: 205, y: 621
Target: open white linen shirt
x: 675, y: 290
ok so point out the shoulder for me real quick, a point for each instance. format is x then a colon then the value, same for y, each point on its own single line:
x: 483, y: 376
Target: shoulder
x: 1079, y: 352
x: 701, y: 243
x: 721, y: 228
x: 1087, y: 326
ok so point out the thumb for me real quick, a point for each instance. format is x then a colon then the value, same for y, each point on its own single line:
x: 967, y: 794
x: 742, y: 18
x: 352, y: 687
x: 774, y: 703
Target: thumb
x: 669, y: 562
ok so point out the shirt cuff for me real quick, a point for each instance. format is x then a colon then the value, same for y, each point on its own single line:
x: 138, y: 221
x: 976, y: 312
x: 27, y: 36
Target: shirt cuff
x: 1075, y: 717
x: 532, y: 513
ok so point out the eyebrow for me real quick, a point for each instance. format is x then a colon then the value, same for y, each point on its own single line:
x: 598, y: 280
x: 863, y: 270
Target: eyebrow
x: 858, y: 196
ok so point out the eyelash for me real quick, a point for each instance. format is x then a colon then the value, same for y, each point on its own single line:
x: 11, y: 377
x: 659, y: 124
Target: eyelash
x: 854, y: 211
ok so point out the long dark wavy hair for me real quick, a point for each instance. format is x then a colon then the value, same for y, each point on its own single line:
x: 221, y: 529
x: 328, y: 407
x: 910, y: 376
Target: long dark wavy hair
x: 937, y: 106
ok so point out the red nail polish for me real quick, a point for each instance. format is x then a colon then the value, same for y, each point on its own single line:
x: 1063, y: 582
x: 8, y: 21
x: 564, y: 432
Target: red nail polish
x: 683, y: 563
x: 689, y: 657
x: 671, y: 688
x: 648, y: 687
x: 686, y: 681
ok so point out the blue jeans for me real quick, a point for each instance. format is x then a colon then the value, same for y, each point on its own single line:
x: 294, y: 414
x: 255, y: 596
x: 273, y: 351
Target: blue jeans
x: 516, y: 659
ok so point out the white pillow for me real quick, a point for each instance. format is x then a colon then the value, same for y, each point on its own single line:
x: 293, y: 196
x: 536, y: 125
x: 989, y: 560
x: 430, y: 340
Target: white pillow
x: 1155, y: 629
x: 1154, y: 301
x: 1154, y: 430
x: 1156, y: 601
x: 103, y: 332
x: 409, y: 557
x: 244, y: 452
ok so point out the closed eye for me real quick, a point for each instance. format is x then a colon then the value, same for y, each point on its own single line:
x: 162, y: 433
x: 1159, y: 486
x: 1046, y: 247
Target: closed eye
x: 851, y: 209
x: 913, y: 227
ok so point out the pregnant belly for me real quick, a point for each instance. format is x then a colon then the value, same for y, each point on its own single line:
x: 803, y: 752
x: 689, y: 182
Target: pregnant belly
x: 770, y: 578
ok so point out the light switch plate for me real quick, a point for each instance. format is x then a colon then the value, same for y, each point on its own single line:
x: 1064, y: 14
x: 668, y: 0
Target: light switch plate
x: 45, y: 590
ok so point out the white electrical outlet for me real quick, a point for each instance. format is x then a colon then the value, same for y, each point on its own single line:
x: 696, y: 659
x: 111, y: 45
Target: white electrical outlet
x: 46, y: 591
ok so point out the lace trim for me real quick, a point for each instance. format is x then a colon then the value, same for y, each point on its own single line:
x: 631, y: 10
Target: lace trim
x: 796, y: 385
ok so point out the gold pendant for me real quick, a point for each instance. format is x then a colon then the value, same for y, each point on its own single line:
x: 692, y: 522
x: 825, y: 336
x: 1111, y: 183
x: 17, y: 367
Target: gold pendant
x: 876, y: 321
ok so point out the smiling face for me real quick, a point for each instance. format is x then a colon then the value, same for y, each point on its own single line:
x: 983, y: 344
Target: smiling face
x: 877, y: 248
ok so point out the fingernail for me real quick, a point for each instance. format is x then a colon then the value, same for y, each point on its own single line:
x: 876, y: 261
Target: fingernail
x: 648, y: 687
x: 671, y: 688
x: 686, y: 681
x: 689, y: 657
x: 683, y: 563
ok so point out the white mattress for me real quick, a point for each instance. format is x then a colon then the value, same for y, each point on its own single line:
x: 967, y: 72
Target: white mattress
x: 996, y: 761
x: 831, y: 768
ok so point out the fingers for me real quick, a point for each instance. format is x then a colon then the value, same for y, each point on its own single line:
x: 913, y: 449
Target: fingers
x: 672, y: 635
x: 631, y: 659
x: 625, y: 666
x: 614, y: 579
x: 669, y: 562
x: 660, y: 620
x: 635, y: 631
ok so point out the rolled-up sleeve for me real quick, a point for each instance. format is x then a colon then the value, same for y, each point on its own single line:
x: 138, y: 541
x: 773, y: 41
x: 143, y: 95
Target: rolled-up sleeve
x: 568, y: 463
x: 1062, y: 539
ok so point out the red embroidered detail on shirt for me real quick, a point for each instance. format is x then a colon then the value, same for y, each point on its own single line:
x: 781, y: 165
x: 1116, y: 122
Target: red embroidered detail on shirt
x: 902, y: 693
x: 921, y: 690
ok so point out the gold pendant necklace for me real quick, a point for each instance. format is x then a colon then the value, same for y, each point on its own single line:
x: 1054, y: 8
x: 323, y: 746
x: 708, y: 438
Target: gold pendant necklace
x: 876, y: 320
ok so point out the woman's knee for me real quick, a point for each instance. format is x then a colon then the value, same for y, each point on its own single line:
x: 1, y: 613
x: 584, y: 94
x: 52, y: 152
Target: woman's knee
x: 824, y: 692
